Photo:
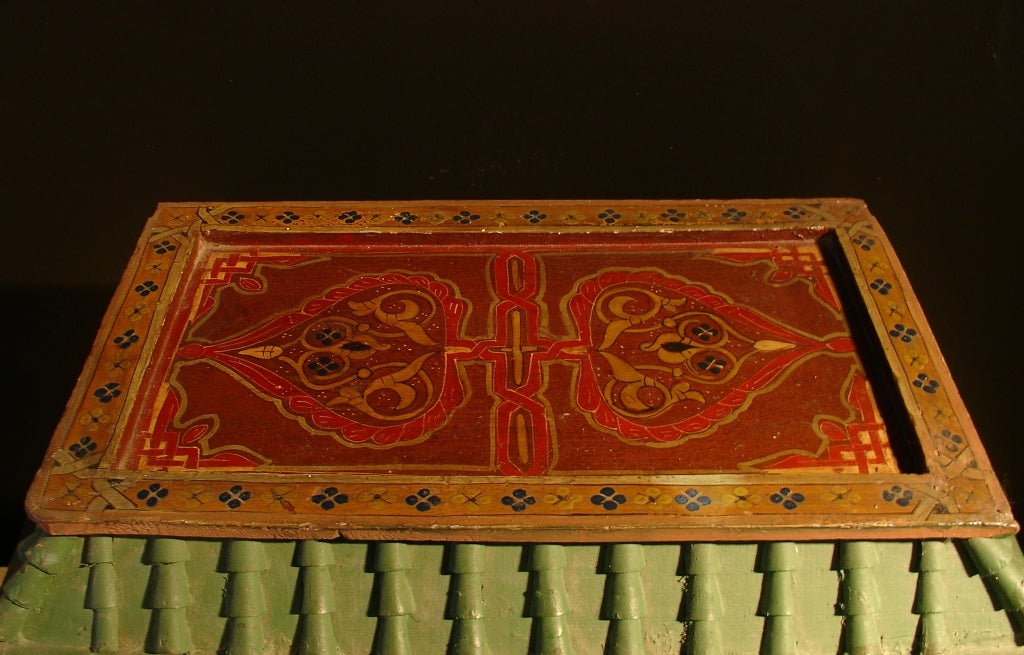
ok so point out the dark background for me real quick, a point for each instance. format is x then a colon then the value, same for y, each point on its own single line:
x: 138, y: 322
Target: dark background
x: 106, y: 109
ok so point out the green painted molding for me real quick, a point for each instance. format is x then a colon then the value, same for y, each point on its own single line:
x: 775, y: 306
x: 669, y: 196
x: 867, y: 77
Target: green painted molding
x: 548, y: 603
x: 165, y: 551
x: 931, y: 602
x: 26, y: 590
x: 859, y: 603
x: 777, y: 562
x: 168, y: 597
x: 132, y: 595
x: 315, y: 634
x: 244, y: 602
x: 395, y: 600
x: 624, y: 606
x: 702, y: 600
x: 101, y: 594
x: 624, y: 597
x: 1001, y: 565
x: 465, y: 605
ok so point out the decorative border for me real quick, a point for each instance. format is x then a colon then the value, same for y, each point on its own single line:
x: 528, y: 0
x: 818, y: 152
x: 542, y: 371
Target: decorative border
x: 79, y: 491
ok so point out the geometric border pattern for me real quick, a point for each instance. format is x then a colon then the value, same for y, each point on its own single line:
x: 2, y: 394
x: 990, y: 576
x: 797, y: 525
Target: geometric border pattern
x: 79, y: 490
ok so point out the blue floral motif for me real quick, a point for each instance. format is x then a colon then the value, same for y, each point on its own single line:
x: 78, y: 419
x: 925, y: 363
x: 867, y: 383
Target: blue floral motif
x: 733, y: 214
x: 704, y: 332
x: 787, y: 498
x: 519, y: 500
x: 329, y: 498
x: 953, y: 441
x: 795, y: 213
x: 232, y: 217
x: 865, y: 242
x: 692, y: 499
x: 163, y: 247
x: 327, y: 336
x: 107, y: 392
x: 126, y: 340
x: 146, y: 288
x: 903, y: 333
x: 323, y: 365
x: 608, y: 499
x: 535, y: 216
x: 609, y: 216
x: 83, y: 447
x: 152, y: 494
x: 673, y: 215
x: 423, y: 500
x: 235, y: 496
x: 926, y: 384
x: 349, y: 217
x: 898, y: 495
x: 712, y: 364
x: 287, y: 218
x: 465, y: 217
x: 881, y: 286
x: 405, y: 218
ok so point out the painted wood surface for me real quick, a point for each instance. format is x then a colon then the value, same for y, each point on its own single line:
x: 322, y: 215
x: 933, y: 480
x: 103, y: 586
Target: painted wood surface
x: 278, y: 597
x: 510, y: 371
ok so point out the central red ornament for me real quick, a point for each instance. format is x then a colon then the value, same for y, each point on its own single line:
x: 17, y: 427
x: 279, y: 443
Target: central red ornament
x: 661, y: 359
x: 367, y: 360
x: 668, y: 359
x: 505, y: 361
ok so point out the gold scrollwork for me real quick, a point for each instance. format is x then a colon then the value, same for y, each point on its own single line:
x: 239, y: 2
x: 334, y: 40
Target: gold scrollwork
x: 689, y: 346
x: 355, y: 393
x: 340, y: 354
